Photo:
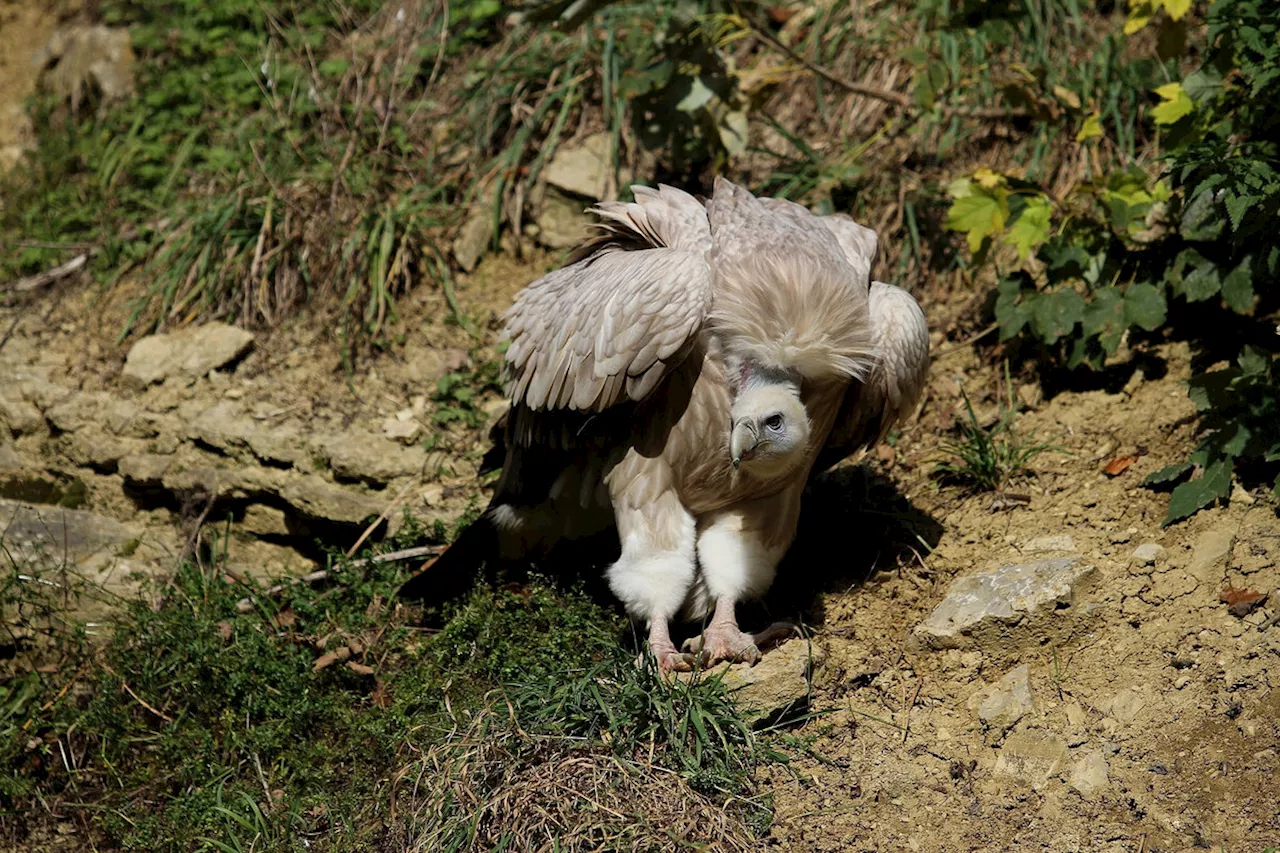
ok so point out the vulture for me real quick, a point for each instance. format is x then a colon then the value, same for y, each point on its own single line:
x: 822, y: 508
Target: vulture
x: 679, y: 381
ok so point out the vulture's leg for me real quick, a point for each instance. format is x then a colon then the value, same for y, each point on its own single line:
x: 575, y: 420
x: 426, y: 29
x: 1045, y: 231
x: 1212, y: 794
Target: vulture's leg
x: 653, y: 575
x: 738, y: 551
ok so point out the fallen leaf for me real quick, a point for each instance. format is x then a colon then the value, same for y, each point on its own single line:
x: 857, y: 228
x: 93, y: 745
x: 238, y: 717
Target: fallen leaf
x: 285, y: 618
x: 1119, y: 465
x: 779, y: 14
x: 330, y: 658
x: 1241, y: 602
x: 224, y: 628
x: 380, y: 696
x: 359, y: 668
x: 886, y: 454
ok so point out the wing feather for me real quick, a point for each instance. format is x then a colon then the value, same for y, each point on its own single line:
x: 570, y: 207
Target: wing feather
x: 892, y: 390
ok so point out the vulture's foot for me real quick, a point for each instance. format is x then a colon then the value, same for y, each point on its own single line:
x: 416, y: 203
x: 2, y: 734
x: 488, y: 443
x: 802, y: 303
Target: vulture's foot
x: 670, y: 659
x: 726, y: 642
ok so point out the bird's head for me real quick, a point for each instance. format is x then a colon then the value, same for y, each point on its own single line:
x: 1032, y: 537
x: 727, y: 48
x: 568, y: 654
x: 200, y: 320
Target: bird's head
x: 769, y: 429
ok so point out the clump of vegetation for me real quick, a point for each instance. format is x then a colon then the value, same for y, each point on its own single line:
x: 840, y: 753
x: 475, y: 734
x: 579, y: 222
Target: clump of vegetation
x: 988, y: 458
x: 299, y: 723
x: 1179, y: 244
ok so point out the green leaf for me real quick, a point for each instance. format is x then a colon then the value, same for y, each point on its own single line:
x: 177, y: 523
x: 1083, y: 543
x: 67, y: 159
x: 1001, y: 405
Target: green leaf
x: 1237, y: 287
x: 1031, y: 228
x: 1168, y: 474
x: 978, y: 215
x: 1105, y: 318
x: 1253, y: 361
x: 1013, y: 310
x: 1144, y: 306
x: 1195, y: 277
x: 1202, y: 85
x: 1194, y: 495
x: 1201, y: 219
x: 1054, y: 315
x: 1175, y: 104
x: 1238, y: 205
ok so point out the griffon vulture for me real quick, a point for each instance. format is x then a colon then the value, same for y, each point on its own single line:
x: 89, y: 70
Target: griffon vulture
x: 681, y: 379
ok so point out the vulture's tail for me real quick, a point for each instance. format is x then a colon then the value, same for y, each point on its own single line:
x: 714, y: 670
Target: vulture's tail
x: 454, y: 572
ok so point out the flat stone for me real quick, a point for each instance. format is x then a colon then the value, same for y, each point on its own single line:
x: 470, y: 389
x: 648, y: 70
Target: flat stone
x: 314, y: 497
x: 9, y: 459
x: 100, y: 410
x: 402, y: 429
x: 779, y: 684
x: 190, y: 353
x: 19, y: 416
x: 990, y: 602
x: 1149, y: 553
x: 225, y: 427
x: 79, y: 57
x: 1032, y: 758
x: 144, y: 469
x: 562, y: 221
x: 472, y: 241
x: 582, y: 169
x: 236, y: 483
x: 370, y: 458
x: 100, y: 450
x: 1089, y: 774
x: 1209, y: 555
x: 1006, y: 702
x: 1125, y: 705
x: 263, y: 520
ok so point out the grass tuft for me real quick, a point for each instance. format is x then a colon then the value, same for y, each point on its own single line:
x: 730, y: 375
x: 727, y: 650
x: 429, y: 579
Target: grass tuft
x: 987, y: 459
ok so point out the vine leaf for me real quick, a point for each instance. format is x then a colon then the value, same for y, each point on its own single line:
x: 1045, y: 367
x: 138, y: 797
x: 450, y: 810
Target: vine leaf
x: 1174, y: 104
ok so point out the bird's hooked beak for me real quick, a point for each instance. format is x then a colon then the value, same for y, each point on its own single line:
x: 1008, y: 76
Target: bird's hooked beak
x: 742, y: 440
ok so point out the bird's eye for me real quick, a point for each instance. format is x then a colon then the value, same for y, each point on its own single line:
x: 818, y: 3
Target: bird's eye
x: 773, y: 422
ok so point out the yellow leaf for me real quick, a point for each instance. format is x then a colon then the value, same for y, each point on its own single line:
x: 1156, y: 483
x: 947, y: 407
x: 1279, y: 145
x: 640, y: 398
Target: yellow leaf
x: 1092, y: 127
x: 1068, y: 97
x: 1176, y: 8
x: 1175, y: 103
x: 1140, y: 13
x: 987, y: 178
x: 960, y: 188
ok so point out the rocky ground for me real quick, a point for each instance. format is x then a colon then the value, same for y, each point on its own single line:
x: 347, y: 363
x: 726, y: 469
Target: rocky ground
x: 1044, y: 668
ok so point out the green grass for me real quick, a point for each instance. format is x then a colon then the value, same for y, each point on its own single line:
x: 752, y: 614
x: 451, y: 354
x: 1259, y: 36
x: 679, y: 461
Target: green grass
x: 198, y: 727
x: 988, y: 458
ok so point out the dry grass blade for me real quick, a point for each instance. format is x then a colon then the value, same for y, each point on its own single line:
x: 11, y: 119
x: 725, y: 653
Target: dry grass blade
x: 495, y: 788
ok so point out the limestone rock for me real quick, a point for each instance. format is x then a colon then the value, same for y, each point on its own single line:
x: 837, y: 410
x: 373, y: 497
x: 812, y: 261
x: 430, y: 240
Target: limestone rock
x: 779, y: 683
x: 1006, y: 702
x: 19, y: 416
x: 472, y: 241
x: 980, y: 609
x: 82, y: 57
x: 144, y: 469
x: 263, y: 520
x: 1089, y: 774
x: 190, y: 353
x: 1149, y: 553
x: 9, y: 459
x: 314, y: 497
x: 403, y: 428
x: 583, y: 169
x: 1032, y: 758
x: 226, y: 428
x: 1209, y: 555
x: 236, y: 483
x: 562, y: 221
x: 370, y: 458
x: 104, y: 552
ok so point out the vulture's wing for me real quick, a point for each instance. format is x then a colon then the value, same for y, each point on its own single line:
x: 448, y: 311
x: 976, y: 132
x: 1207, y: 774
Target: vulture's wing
x: 606, y: 329
x: 896, y: 382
